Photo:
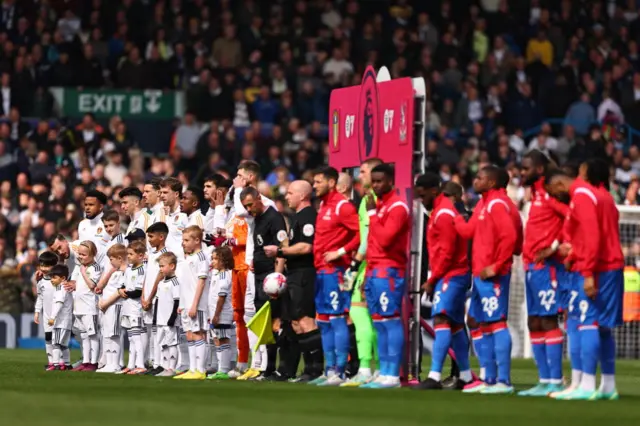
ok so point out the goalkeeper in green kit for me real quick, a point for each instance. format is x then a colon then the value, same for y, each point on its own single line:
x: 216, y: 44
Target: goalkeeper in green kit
x: 354, y: 278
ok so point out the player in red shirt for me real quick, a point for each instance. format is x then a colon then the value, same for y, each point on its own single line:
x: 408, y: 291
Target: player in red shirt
x: 448, y: 283
x: 388, y: 242
x: 597, y: 255
x: 337, y: 238
x: 494, y: 243
x: 544, y: 229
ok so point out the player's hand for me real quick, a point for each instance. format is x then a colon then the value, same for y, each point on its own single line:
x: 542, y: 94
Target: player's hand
x: 275, y: 325
x: 50, y: 322
x: 251, y: 266
x: 121, y: 293
x: 543, y: 254
x: 218, y: 198
x: 370, y: 202
x: 180, y: 310
x: 428, y: 287
x: 39, y: 275
x: 231, y: 242
x: 70, y: 286
x: 83, y: 269
x: 36, y: 318
x: 487, y: 273
x: 564, y: 249
x: 215, y: 320
x: 331, y: 256
x: 590, y: 288
x: 193, y: 312
x: 349, y: 279
x: 239, y: 182
x: 98, y: 290
x: 271, y: 251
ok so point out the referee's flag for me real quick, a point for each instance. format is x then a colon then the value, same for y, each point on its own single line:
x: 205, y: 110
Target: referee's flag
x: 260, y: 324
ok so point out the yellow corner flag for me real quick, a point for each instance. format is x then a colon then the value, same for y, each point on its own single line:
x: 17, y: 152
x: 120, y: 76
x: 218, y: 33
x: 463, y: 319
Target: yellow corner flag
x: 260, y: 324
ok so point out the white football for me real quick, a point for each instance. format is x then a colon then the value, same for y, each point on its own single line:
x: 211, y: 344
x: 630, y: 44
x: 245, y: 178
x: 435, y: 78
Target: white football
x: 274, y: 284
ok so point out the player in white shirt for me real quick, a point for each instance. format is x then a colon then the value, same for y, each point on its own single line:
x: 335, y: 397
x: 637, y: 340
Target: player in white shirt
x: 221, y: 310
x: 168, y: 300
x: 61, y: 317
x: 92, y: 227
x: 170, y: 191
x: 156, y: 237
x: 249, y: 175
x: 193, y: 274
x: 190, y: 205
x: 131, y: 205
x: 44, y: 301
x: 151, y: 198
x: 111, y: 220
x: 111, y: 306
x: 131, y: 318
x: 213, y: 195
x: 85, y: 306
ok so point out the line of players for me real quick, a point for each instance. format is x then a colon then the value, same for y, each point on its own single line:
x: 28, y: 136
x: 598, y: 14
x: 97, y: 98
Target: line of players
x: 573, y: 261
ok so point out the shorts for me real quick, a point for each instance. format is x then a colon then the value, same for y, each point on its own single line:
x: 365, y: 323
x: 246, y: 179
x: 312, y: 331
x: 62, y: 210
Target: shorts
x: 45, y: 324
x: 329, y: 299
x: 570, y: 293
x: 606, y: 309
x: 298, y: 301
x: 449, y: 297
x: 111, y: 321
x: 384, y: 290
x: 542, y: 289
x: 194, y: 325
x: 565, y: 286
x: 167, y: 336
x: 491, y: 299
x: 128, y: 322
x: 222, y: 331
x: 87, y: 324
x: 61, y: 337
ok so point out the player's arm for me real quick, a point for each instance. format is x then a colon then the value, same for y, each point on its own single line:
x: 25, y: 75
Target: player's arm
x: 105, y: 303
x: 505, y: 234
x: 397, y: 217
x: 87, y: 277
x: 237, y: 204
x: 282, y: 236
x: 154, y: 290
x: 102, y: 282
x: 447, y: 240
x: 586, y: 215
x: 363, y: 221
x: 58, y: 302
x: 175, y: 292
x: 466, y: 229
x: 349, y: 219
x: 223, y: 293
x: 305, y: 245
x: 136, y: 293
x: 39, y: 304
x: 203, y: 272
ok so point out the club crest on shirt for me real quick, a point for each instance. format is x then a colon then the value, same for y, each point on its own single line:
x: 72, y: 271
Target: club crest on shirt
x: 308, y: 230
x: 99, y: 231
x: 281, y: 235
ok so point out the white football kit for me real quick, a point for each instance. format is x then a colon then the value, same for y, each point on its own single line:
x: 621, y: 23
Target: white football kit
x: 111, y: 317
x: 190, y: 271
x: 132, y: 308
x: 62, y: 314
x: 85, y: 305
x: 44, y: 302
x: 168, y: 293
x: 176, y: 222
x: 151, y: 273
x: 221, y: 287
x: 94, y: 230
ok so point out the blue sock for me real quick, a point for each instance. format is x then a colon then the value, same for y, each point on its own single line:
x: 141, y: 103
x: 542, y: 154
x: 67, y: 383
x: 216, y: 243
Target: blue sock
x: 342, y: 343
x: 590, y: 351
x: 489, y: 350
x: 502, y: 341
x: 440, y: 346
x: 540, y: 355
x: 575, y: 346
x: 460, y: 345
x: 328, y: 345
x: 395, y: 344
x: 607, y: 352
x: 553, y: 342
x: 383, y: 347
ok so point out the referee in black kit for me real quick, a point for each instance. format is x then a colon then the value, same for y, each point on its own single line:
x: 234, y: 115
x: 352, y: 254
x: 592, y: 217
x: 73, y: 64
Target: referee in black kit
x: 299, y: 330
x: 270, y: 229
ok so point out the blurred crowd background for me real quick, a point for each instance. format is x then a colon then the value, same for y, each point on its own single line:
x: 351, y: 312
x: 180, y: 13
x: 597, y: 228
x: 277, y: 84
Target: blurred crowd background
x: 253, y: 80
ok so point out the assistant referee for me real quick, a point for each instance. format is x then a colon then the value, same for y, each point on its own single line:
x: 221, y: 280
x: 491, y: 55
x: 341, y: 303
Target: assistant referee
x: 298, y: 304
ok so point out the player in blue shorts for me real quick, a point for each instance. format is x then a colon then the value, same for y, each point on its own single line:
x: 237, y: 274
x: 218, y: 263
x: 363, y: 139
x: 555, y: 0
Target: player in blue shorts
x: 449, y: 280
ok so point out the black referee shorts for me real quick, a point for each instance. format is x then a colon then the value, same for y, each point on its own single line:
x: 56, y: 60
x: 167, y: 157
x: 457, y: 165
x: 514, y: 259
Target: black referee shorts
x: 299, y: 299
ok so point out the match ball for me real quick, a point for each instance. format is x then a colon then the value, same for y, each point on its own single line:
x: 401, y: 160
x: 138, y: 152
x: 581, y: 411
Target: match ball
x: 274, y: 284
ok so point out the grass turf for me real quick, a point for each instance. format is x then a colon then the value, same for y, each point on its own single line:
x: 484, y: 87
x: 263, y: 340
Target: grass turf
x: 31, y: 396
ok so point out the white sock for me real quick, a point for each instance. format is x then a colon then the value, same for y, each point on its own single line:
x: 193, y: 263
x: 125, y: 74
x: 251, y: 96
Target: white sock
x: 48, y: 346
x: 183, y: 347
x: 466, y: 376
x: 209, y: 353
x: 104, y: 347
x: 157, y: 350
x: 435, y: 375
x: 233, y: 341
x: 192, y: 357
x: 86, y: 349
x: 607, y: 383
x: 173, y: 357
x: 121, y: 347
x: 66, y: 355
x: 144, y: 341
x: 139, y: 361
x: 264, y: 357
x: 212, y: 357
x: 165, y: 358
x: 224, y: 357
x: 576, y: 377
x: 201, y: 356
x: 56, y: 354
x: 483, y: 373
x: 131, y: 362
x: 364, y: 371
x: 256, y: 355
x: 94, y: 346
x: 588, y: 382
x: 116, y: 349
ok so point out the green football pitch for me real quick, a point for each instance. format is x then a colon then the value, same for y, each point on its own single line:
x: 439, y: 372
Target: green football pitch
x: 31, y: 396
